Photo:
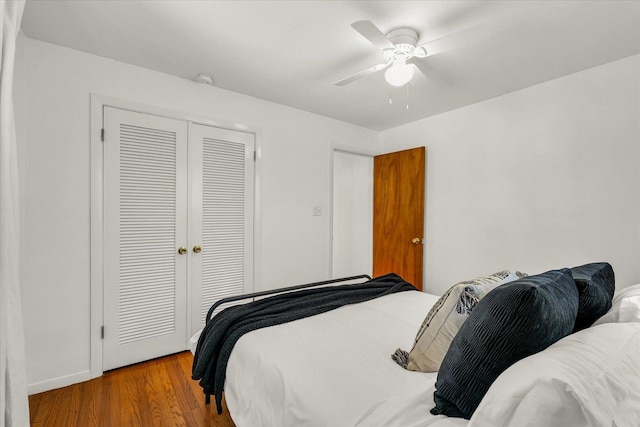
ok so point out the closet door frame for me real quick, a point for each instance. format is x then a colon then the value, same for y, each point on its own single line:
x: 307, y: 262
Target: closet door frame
x: 97, y: 104
x: 345, y: 150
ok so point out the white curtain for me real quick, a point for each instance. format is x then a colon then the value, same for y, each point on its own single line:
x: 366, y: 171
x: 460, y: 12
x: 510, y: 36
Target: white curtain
x: 14, y: 405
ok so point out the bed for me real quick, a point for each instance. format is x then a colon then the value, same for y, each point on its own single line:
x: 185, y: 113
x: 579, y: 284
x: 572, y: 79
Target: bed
x: 336, y: 369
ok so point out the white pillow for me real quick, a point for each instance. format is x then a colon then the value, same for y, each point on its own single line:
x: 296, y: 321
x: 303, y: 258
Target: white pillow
x: 587, y: 379
x: 447, y: 316
x: 630, y: 309
x: 625, y: 307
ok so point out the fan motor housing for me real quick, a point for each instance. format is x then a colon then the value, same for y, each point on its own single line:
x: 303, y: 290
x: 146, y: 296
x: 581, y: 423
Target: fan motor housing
x: 403, y: 36
x: 404, y: 40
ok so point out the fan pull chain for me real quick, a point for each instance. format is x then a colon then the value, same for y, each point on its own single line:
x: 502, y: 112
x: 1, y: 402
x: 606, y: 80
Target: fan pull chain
x: 407, y: 95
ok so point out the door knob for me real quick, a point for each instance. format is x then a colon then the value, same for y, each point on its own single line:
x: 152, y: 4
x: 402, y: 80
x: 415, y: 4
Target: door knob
x: 197, y: 249
x: 415, y: 240
x: 182, y: 250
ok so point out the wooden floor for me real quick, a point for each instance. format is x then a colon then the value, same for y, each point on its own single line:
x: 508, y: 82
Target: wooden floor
x: 159, y: 392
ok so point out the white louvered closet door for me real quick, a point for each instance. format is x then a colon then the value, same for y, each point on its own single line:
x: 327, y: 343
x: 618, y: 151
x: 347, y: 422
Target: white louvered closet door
x: 145, y: 208
x: 221, y: 218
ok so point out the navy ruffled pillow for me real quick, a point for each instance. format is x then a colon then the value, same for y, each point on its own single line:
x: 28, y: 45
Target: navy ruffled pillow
x: 511, y: 322
x: 596, y: 285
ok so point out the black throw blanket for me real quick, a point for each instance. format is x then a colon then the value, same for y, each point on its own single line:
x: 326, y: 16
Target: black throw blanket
x: 225, y: 329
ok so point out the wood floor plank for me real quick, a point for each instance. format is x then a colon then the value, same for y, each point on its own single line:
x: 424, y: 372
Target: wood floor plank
x: 112, y: 394
x: 159, y: 392
x: 130, y: 411
x: 90, y: 400
x: 75, y: 398
x: 184, y: 398
x: 165, y: 393
x: 40, y: 407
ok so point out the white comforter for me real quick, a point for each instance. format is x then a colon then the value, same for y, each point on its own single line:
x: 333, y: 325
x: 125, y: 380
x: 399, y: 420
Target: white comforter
x: 335, y: 369
x: 317, y: 372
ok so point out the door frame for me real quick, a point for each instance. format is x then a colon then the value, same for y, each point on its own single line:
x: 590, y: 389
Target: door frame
x: 97, y: 104
x: 350, y: 150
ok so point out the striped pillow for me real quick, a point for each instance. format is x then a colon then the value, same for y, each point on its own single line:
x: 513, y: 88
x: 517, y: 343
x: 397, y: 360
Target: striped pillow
x: 445, y: 319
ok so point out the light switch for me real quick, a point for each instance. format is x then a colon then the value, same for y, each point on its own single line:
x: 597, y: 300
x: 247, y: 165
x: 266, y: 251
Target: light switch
x: 317, y: 211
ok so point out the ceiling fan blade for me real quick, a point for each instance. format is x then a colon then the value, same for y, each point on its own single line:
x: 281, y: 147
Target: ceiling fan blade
x: 362, y: 73
x: 370, y: 32
x: 428, y: 72
x: 457, y: 40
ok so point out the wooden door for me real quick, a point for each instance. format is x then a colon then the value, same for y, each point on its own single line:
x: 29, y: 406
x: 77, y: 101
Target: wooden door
x: 145, y: 224
x: 398, y: 214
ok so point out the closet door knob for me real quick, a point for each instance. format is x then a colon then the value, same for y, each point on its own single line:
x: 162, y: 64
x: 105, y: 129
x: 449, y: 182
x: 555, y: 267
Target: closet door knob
x: 415, y: 240
x: 197, y: 249
x: 182, y: 250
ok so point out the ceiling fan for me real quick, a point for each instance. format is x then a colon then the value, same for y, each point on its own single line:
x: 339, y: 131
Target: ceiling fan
x: 399, y: 50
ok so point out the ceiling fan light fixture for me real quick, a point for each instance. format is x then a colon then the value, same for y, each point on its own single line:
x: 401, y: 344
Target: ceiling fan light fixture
x: 399, y: 74
x: 420, y: 52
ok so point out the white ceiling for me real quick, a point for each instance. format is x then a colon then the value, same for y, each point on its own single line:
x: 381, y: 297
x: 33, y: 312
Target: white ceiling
x: 291, y: 52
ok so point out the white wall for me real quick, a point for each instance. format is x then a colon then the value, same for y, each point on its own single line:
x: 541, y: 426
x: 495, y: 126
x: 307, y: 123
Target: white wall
x: 295, y: 176
x: 541, y: 178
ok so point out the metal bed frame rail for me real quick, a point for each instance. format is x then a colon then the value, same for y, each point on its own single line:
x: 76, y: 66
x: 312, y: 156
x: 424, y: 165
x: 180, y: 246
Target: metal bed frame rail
x: 280, y: 290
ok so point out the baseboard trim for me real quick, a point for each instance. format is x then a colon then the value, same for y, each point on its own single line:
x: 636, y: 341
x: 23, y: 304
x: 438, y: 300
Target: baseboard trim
x: 59, y: 382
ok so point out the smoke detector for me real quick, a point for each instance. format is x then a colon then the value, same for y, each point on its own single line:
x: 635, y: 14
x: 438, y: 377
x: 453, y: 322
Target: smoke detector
x: 204, y: 79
